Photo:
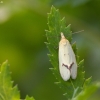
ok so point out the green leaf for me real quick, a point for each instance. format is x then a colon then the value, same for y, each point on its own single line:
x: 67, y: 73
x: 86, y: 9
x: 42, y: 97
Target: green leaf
x: 29, y: 98
x: 88, y: 91
x: 57, y: 25
x: 7, y: 91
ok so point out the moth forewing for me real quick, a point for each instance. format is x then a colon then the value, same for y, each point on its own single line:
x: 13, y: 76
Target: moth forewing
x: 64, y: 71
x: 67, y: 60
x: 73, y: 63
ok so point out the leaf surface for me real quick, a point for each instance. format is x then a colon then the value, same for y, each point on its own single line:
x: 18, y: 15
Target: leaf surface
x: 7, y: 90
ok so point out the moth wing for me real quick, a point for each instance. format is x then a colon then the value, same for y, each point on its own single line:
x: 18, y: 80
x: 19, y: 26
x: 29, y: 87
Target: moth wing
x: 64, y: 59
x: 72, y: 59
x: 65, y: 73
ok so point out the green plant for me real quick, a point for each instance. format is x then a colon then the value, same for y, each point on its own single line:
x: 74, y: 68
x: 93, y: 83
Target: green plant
x: 78, y: 89
x: 73, y: 89
x: 7, y: 91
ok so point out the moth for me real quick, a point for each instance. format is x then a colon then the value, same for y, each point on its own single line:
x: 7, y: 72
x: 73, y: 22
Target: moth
x: 67, y: 60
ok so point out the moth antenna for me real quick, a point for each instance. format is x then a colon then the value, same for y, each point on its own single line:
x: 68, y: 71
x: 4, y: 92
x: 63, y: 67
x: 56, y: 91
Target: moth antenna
x: 78, y: 32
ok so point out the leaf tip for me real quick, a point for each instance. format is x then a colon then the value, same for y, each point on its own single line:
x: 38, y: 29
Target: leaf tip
x: 65, y: 94
x: 69, y: 26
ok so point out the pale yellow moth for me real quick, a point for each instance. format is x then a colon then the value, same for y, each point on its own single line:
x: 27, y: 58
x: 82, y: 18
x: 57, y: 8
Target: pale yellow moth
x: 67, y: 59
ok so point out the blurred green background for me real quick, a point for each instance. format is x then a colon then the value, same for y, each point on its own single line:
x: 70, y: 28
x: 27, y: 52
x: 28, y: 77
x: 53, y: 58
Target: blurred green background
x: 22, y: 37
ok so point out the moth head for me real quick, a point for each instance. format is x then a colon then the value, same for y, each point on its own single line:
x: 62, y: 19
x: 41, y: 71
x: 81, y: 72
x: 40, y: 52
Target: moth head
x: 62, y: 36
